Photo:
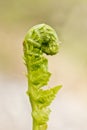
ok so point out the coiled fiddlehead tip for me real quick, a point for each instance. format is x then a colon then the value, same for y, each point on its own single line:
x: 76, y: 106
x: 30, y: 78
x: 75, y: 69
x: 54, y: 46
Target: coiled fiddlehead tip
x: 43, y: 37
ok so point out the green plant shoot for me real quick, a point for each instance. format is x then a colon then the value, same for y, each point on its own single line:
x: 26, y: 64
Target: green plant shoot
x: 40, y: 39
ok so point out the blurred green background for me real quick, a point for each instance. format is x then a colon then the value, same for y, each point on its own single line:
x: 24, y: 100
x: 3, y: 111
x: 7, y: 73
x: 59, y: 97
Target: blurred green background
x: 69, y: 67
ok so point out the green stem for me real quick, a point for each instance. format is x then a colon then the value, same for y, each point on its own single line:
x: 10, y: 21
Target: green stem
x: 39, y: 127
x: 35, y: 125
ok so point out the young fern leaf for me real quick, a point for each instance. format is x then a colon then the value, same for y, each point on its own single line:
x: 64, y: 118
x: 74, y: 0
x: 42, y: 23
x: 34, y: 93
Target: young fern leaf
x: 41, y: 116
x: 40, y: 39
x: 45, y: 97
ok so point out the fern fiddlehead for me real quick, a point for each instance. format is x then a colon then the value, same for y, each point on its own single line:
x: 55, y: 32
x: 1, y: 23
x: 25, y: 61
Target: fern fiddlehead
x: 40, y: 39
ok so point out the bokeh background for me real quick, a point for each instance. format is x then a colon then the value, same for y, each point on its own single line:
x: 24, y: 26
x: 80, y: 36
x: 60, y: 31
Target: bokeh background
x: 69, y: 67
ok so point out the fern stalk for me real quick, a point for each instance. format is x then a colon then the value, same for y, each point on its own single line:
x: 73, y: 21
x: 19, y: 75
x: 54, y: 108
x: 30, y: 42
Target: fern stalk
x: 40, y: 39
